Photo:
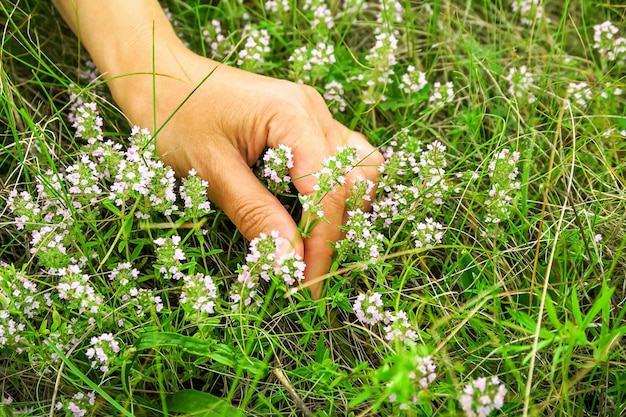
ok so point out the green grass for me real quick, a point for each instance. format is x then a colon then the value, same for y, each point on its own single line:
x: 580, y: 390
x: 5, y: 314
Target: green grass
x: 536, y: 300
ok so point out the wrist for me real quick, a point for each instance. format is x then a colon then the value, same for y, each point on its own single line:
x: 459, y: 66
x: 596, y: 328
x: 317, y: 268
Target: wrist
x: 120, y: 34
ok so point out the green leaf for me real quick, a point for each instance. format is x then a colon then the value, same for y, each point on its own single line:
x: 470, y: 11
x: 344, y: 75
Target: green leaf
x: 362, y: 397
x: 155, y: 340
x: 5, y: 411
x: 530, y: 323
x: 198, y: 403
x: 601, y: 302
x: 43, y: 328
x: 320, y: 349
x: 220, y: 353
x: 554, y: 319
x: 578, y: 317
x: 540, y: 346
x: 87, y: 381
x: 467, y: 265
x: 110, y: 205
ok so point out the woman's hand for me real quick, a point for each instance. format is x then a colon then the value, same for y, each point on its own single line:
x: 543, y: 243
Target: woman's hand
x: 228, y: 119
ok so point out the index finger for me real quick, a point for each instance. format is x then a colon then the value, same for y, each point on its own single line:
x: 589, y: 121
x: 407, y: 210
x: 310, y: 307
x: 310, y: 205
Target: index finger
x: 318, y: 247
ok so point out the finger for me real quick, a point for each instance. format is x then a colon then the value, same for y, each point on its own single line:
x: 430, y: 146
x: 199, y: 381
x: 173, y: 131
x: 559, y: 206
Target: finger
x: 318, y: 248
x: 248, y: 204
x: 370, y: 160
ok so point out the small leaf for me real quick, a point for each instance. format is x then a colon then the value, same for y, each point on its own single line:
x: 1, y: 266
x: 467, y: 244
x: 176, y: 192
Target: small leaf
x: 110, y: 205
x: 218, y: 352
x: 362, y: 397
x: 576, y: 309
x: 554, y: 319
x: 198, y: 403
x: 43, y: 328
x: 601, y: 302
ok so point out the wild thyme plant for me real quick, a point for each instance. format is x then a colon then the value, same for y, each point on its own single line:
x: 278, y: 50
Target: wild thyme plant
x: 481, y: 275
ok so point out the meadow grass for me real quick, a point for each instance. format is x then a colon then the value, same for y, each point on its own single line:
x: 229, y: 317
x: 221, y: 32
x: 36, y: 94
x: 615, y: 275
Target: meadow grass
x: 488, y: 279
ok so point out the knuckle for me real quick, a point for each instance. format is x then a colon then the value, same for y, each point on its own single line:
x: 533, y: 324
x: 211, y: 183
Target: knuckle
x: 251, y: 217
x: 308, y: 95
x: 376, y: 158
x: 336, y: 201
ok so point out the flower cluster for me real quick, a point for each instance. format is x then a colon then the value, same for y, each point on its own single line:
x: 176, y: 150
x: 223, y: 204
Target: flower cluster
x: 141, y: 176
x: 311, y: 63
x: 279, y: 7
x: 409, y: 376
x: 243, y: 291
x: 399, y: 202
x: 369, y: 308
x: 103, y: 351
x: 219, y: 45
x: 256, y: 47
x: 75, y: 288
x: 413, y: 81
x: 89, y: 73
x: 144, y: 300
x: 352, y: 7
x: 521, y: 83
x: 397, y: 328
x: 320, y: 17
x: 83, y: 182
x: 289, y: 268
x: 62, y: 340
x: 19, y: 294
x: 361, y: 192
x: 50, y: 243
x: 269, y: 259
x: 607, y: 44
x: 579, y: 94
x: 427, y: 233
x: 85, y: 119
x: 193, y: 194
x: 332, y: 174
x: 26, y: 210
x: 78, y: 405
x: 481, y: 396
x: 199, y: 296
x: 529, y: 10
x: 381, y: 60
x: 123, y: 274
x: 169, y: 257
x: 108, y: 156
x: 425, y: 371
x: 124, y: 279
x: 361, y: 237
x: 400, y: 160
x: 334, y: 96
x: 10, y: 329
x: 432, y: 173
x: 276, y: 165
x: 442, y: 95
x: 48, y: 220
x: 503, y: 172
x: 391, y: 11
x: 412, y: 179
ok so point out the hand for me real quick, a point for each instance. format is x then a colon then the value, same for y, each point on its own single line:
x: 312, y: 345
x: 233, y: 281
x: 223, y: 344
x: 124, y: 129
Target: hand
x: 226, y: 123
x: 224, y: 127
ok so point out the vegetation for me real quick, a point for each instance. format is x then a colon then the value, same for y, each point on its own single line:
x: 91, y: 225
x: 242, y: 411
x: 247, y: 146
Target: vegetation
x: 488, y: 278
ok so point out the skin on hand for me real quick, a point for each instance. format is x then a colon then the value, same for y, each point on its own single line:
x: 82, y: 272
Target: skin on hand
x: 225, y: 125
